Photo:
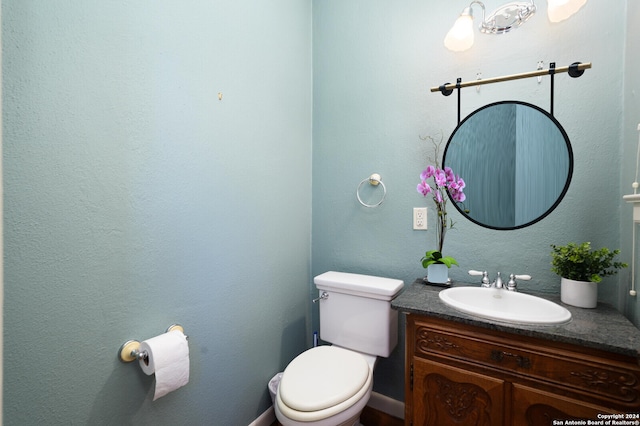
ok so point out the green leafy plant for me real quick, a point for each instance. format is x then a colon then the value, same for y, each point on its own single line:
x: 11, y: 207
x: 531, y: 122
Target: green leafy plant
x: 434, y: 256
x: 579, y: 262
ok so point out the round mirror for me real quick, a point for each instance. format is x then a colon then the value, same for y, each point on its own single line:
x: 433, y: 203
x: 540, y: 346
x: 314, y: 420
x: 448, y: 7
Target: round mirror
x: 516, y: 161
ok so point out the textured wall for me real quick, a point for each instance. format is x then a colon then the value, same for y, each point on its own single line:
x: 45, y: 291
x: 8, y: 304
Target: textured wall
x: 630, y: 136
x: 374, y: 62
x: 135, y: 199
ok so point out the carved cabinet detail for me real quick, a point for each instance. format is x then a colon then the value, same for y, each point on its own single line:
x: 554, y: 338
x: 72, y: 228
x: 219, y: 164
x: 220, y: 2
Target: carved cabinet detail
x: 460, y: 374
x: 447, y: 395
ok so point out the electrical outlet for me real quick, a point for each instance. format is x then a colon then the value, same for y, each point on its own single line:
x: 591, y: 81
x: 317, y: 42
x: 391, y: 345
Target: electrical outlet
x: 420, y: 218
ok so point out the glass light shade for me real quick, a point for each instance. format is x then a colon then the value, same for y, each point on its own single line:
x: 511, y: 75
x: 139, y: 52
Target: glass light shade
x: 559, y: 10
x: 460, y: 36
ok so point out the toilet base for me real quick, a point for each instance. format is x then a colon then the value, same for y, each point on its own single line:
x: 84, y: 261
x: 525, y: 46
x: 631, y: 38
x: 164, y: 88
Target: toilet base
x: 336, y: 420
x: 352, y: 421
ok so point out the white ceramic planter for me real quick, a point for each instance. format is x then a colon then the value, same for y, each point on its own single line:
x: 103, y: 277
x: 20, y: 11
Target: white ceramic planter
x: 437, y: 273
x: 583, y: 294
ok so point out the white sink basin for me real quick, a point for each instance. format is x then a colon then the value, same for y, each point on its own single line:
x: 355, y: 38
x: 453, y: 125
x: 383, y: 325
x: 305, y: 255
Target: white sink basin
x: 506, y: 306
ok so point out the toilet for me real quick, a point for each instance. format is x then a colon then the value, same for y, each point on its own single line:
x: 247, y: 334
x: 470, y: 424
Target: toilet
x: 331, y: 385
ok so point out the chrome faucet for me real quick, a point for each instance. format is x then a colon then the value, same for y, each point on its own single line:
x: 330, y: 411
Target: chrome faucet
x: 498, y: 282
x: 511, y: 285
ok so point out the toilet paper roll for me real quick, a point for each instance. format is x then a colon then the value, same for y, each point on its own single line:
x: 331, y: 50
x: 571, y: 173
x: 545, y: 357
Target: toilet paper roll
x: 167, y: 358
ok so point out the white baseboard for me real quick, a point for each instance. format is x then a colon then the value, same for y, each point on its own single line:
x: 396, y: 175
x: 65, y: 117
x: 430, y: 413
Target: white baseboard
x: 387, y: 405
x: 377, y: 401
x: 266, y: 419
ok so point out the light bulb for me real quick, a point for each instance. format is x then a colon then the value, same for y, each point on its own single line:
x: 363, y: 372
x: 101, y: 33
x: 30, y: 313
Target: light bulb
x: 559, y: 10
x: 460, y: 36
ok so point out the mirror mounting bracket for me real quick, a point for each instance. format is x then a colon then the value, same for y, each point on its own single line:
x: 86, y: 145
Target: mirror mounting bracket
x: 443, y: 89
x: 552, y: 73
x: 574, y: 70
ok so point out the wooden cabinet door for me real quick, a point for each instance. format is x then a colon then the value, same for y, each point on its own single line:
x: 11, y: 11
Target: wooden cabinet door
x: 444, y: 395
x: 533, y: 407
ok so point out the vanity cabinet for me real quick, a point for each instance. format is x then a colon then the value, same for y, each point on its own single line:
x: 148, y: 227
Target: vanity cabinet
x: 463, y: 374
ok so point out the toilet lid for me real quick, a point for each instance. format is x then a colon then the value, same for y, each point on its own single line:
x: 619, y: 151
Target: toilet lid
x: 322, y: 377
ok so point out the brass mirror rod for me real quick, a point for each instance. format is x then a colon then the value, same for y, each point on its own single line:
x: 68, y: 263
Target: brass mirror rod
x: 575, y: 70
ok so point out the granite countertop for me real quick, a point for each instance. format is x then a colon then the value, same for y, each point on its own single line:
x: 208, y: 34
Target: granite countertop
x: 602, y: 328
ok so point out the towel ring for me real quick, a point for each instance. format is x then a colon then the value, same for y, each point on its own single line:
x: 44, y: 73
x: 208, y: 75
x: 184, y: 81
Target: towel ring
x: 373, y: 180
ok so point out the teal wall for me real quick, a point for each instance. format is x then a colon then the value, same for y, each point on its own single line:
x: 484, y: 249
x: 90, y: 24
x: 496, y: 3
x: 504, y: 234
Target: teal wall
x: 374, y: 62
x: 136, y: 199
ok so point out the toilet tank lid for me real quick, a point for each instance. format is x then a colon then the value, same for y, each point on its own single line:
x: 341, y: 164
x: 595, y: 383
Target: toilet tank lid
x: 365, y: 284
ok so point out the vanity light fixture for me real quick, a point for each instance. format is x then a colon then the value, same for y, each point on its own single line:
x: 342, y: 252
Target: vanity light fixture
x: 502, y: 20
x: 559, y: 10
x: 508, y: 16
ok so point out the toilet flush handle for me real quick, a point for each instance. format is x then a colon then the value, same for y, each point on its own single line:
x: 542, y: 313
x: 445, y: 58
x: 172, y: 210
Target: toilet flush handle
x: 323, y: 296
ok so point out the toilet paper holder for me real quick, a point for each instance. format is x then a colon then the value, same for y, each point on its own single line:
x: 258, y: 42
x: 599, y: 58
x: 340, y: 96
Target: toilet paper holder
x: 130, y: 350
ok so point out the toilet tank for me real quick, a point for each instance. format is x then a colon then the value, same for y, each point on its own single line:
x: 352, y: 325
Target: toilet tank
x: 357, y: 313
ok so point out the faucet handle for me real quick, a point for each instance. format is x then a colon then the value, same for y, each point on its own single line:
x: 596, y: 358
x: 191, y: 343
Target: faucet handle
x: 485, y: 277
x: 522, y: 277
x: 512, y: 285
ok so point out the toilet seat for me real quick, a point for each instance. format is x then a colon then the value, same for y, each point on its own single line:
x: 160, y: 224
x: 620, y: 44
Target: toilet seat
x: 322, y: 382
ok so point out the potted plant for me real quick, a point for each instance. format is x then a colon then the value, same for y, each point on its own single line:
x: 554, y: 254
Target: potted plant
x: 581, y: 269
x: 444, y: 181
x: 437, y: 266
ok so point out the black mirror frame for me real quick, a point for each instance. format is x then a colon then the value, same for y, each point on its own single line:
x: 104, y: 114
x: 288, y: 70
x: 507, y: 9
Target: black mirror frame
x: 569, y: 172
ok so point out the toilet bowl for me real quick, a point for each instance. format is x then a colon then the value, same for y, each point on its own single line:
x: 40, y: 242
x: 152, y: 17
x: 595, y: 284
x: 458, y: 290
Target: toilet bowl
x: 325, y: 386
